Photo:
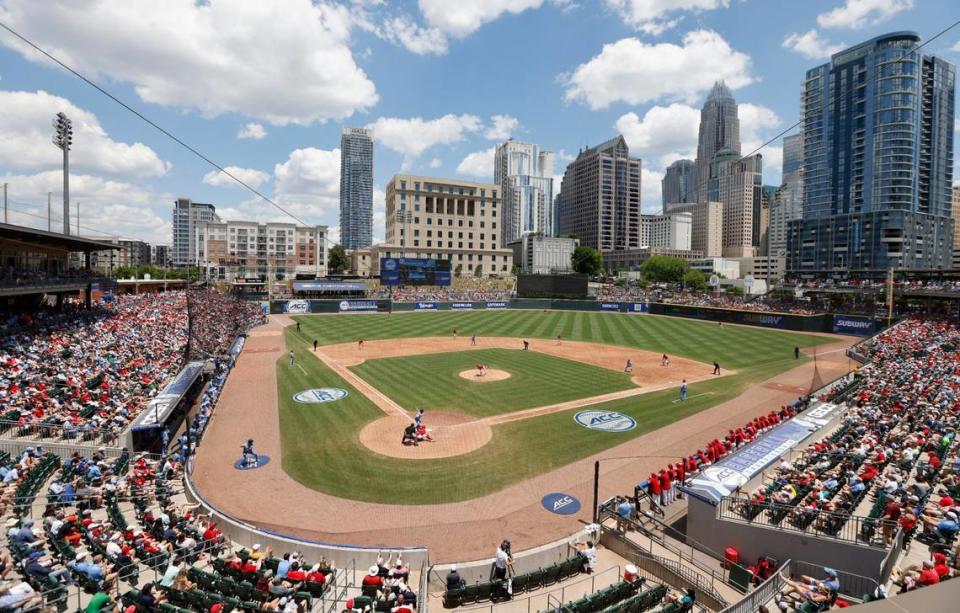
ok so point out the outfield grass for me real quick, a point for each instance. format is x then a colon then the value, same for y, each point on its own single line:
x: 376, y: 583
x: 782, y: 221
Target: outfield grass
x: 734, y: 347
x: 433, y: 381
x: 321, y: 446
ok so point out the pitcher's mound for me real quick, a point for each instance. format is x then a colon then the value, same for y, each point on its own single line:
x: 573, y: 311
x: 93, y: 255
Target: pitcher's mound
x: 490, y: 374
x: 453, y: 434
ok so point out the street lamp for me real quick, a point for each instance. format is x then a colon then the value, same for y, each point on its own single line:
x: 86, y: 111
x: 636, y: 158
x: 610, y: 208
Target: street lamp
x: 63, y: 139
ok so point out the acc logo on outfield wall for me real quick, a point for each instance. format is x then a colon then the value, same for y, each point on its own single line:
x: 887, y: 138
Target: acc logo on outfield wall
x: 323, y: 394
x: 606, y: 421
x: 296, y: 306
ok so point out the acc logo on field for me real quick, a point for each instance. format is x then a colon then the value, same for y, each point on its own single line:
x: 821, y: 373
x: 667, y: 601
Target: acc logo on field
x: 322, y: 394
x: 561, y: 504
x: 606, y: 421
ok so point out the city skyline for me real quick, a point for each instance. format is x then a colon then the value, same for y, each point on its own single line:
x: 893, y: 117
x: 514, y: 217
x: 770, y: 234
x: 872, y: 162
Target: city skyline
x: 279, y: 131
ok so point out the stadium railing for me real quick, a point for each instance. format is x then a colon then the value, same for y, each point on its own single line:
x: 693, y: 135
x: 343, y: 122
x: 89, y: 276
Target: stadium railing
x: 851, y: 584
x: 763, y: 593
x: 849, y: 527
x: 40, y: 432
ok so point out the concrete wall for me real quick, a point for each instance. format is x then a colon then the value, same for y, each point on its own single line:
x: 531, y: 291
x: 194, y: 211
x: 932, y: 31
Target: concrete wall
x: 755, y: 540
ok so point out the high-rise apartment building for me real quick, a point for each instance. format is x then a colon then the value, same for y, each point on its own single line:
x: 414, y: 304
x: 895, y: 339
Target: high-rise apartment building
x: 186, y: 215
x: 706, y: 229
x: 600, y: 198
x: 231, y: 250
x: 787, y: 203
x: 736, y: 183
x: 448, y: 219
x: 877, y: 162
x: 719, y: 130
x: 955, y: 213
x: 159, y: 255
x: 525, y: 176
x: 679, y: 184
x: 670, y: 230
x: 356, y: 188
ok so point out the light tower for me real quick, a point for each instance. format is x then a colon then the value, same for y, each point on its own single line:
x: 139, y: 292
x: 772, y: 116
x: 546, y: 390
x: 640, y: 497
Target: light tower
x: 63, y: 139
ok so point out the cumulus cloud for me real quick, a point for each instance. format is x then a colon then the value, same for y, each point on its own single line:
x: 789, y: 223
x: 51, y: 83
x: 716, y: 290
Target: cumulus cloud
x: 413, y: 136
x: 664, y: 134
x: 757, y: 125
x: 309, y: 177
x: 107, y: 207
x: 253, y: 131
x: 464, y: 17
x: 26, y: 130
x: 651, y: 192
x: 857, y: 14
x: 478, y: 164
x: 252, y: 177
x: 811, y: 45
x: 435, y: 163
x: 501, y: 127
x: 402, y: 30
x: 209, y: 56
x: 657, y: 16
x: 632, y: 71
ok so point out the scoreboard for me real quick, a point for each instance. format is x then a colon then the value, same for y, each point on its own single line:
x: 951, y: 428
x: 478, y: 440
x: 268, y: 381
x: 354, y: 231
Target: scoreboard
x: 414, y: 271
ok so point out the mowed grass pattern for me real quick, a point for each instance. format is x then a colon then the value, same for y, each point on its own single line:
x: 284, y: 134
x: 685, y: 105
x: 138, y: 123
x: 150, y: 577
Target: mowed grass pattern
x: 734, y: 347
x: 432, y: 381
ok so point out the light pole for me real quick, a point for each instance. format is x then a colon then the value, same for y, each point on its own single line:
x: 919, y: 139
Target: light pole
x: 63, y: 139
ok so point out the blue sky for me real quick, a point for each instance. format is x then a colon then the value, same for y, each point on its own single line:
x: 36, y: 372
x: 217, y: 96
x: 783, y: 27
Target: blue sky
x: 264, y: 88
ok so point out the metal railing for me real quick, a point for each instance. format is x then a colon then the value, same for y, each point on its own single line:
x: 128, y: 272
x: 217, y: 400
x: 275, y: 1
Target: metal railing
x: 41, y: 432
x: 763, y: 592
x: 822, y: 524
x: 851, y: 584
x: 554, y: 598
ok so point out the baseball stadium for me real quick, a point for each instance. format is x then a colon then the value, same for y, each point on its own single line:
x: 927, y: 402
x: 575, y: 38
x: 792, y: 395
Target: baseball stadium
x: 368, y: 448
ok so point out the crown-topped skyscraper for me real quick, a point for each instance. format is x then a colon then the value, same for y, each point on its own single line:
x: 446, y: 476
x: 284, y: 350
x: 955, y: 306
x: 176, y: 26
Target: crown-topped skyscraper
x: 719, y: 129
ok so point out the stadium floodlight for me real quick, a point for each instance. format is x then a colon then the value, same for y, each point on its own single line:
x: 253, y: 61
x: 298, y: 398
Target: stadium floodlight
x: 63, y: 138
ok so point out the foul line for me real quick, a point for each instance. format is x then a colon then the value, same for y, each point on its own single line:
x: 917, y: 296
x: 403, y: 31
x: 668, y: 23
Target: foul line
x: 302, y: 369
x: 692, y: 397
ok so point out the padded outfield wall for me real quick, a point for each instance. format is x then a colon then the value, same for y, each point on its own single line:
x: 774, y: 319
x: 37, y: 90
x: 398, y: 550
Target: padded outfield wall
x: 824, y: 322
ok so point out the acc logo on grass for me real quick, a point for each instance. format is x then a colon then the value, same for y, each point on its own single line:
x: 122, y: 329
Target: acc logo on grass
x: 606, y: 421
x: 561, y: 504
x: 322, y: 394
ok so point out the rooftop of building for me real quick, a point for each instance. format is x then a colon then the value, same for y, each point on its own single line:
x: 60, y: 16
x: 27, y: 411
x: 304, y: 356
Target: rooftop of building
x: 32, y: 237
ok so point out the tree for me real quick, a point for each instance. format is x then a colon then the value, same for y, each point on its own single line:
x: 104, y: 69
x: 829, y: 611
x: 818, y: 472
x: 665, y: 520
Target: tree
x: 695, y: 280
x: 664, y: 269
x: 337, y: 260
x: 458, y: 270
x: 735, y: 290
x: 586, y: 260
x: 478, y: 271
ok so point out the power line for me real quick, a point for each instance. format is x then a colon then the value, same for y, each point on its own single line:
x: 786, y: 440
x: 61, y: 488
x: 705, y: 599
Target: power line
x: 897, y: 60
x: 22, y: 211
x: 162, y: 130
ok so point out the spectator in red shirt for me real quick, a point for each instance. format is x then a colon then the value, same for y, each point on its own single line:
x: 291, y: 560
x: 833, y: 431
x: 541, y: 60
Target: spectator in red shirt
x: 373, y: 577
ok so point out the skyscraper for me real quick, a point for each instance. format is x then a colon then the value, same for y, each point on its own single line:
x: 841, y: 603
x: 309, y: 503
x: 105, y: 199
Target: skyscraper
x: 186, y: 215
x: 525, y: 176
x: 737, y: 183
x: 877, y: 161
x: 356, y: 188
x: 787, y: 205
x: 719, y: 129
x: 679, y: 185
x: 600, y: 197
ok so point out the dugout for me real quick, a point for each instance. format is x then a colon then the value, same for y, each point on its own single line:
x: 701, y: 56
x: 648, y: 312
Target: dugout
x: 569, y: 287
x: 167, y: 410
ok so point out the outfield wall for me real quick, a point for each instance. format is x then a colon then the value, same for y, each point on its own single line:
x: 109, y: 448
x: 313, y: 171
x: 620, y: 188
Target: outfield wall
x: 823, y: 322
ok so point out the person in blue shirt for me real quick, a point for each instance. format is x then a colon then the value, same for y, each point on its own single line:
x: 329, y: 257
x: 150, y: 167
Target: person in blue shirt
x: 93, y: 473
x: 25, y: 534
x: 284, y: 566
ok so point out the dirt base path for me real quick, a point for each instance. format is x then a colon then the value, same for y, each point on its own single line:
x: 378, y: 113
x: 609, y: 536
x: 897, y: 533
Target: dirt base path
x: 454, y: 531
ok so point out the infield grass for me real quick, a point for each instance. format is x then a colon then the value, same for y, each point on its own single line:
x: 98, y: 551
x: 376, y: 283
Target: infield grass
x: 433, y: 381
x: 321, y: 446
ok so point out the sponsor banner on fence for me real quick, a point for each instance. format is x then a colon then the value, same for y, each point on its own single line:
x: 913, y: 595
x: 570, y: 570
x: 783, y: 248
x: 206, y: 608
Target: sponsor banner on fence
x: 425, y: 306
x: 560, y: 503
x: 498, y: 305
x: 638, y: 307
x: 296, y: 306
x: 461, y: 306
x: 358, y: 305
x: 609, y: 306
x: 844, y: 324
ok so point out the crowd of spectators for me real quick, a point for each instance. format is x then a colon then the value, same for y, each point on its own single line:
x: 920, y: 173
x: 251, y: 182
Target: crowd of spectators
x: 217, y: 319
x: 725, y: 300
x: 466, y: 289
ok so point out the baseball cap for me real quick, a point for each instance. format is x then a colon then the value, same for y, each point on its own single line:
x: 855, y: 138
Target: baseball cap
x: 830, y: 571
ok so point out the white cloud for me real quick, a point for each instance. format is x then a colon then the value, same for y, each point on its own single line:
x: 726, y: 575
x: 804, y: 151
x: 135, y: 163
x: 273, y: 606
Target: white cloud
x: 26, y: 130
x: 404, y: 31
x: 758, y: 124
x: 755, y: 121
x: 107, y: 207
x: 435, y: 163
x: 478, y: 164
x: 413, y: 136
x: 215, y: 57
x: 311, y: 178
x: 811, y: 45
x: 856, y: 14
x: 651, y: 191
x: 252, y: 130
x: 464, y: 17
x: 252, y: 177
x: 635, y: 72
x: 663, y: 135
x: 651, y: 16
x: 501, y: 127
x: 379, y: 214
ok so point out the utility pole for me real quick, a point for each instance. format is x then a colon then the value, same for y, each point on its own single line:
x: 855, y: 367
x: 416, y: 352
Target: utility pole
x: 889, y: 296
x: 49, y: 196
x: 78, y: 220
x: 63, y: 139
x: 5, y: 203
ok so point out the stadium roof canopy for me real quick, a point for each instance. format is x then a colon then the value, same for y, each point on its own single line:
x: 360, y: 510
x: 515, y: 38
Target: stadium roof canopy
x: 42, y: 238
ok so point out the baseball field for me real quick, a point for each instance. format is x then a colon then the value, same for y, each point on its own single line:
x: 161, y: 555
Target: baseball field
x: 562, y: 400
